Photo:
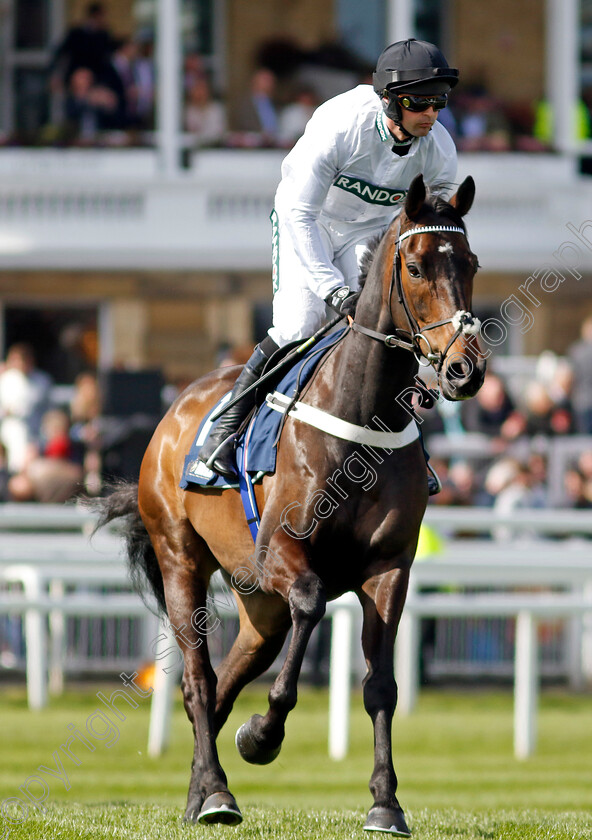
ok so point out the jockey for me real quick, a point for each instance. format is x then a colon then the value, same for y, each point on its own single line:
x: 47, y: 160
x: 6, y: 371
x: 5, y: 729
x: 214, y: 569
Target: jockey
x: 342, y: 183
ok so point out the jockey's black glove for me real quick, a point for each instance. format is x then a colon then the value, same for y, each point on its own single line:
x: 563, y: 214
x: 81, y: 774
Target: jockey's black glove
x: 343, y: 300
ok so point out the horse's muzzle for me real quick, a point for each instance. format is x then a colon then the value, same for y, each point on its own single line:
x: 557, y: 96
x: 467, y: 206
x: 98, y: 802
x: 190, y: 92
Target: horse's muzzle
x: 462, y: 376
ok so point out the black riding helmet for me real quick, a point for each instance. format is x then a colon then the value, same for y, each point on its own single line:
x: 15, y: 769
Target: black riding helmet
x: 411, y: 66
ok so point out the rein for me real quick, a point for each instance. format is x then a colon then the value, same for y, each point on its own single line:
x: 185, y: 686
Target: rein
x: 464, y: 323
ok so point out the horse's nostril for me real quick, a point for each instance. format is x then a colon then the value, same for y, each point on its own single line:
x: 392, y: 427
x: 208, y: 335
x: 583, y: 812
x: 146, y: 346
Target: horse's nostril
x: 457, y: 371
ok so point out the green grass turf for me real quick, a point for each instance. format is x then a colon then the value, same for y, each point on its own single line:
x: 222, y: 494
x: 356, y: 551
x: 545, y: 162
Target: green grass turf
x: 453, y: 756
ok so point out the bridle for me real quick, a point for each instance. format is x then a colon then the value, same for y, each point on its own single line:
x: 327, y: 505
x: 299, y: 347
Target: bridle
x: 464, y: 323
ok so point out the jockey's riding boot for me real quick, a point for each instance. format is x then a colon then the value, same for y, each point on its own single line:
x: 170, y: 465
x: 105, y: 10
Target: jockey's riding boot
x: 218, y: 450
x: 434, y: 483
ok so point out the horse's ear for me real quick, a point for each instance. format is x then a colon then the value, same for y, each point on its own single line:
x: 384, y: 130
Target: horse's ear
x: 416, y: 195
x: 463, y: 198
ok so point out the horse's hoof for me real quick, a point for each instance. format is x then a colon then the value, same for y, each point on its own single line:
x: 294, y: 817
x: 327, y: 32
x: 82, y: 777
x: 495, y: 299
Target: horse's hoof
x: 391, y: 820
x: 250, y: 749
x: 220, y: 808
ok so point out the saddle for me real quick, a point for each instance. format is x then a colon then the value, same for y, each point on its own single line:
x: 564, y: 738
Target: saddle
x: 256, y: 449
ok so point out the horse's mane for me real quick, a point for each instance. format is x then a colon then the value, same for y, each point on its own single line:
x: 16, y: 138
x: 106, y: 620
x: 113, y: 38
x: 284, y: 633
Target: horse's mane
x: 368, y: 257
x: 435, y: 203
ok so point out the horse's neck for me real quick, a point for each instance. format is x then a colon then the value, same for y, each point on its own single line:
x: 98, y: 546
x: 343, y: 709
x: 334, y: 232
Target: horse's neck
x: 367, y: 381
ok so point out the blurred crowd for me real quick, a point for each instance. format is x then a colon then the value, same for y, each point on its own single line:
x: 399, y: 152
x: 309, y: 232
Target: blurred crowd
x: 48, y: 452
x: 493, y: 450
x: 105, y: 85
x: 55, y: 447
x: 103, y: 89
x: 496, y: 449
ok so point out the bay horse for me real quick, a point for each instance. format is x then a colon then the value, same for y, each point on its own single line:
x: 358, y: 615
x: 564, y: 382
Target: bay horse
x: 414, y: 307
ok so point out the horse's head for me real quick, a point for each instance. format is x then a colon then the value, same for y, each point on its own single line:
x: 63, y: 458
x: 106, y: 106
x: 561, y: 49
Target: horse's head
x: 432, y: 287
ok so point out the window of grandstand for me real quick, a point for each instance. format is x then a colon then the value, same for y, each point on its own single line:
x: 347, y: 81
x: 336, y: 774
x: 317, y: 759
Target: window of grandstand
x: 29, y: 28
x: 361, y: 26
x: 431, y: 18
x: 88, y: 77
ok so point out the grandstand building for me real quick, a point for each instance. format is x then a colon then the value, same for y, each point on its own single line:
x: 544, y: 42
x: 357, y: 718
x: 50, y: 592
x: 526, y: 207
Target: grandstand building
x: 153, y: 253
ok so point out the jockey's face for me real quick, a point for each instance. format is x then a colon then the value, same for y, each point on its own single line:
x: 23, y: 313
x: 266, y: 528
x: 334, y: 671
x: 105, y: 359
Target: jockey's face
x: 417, y: 123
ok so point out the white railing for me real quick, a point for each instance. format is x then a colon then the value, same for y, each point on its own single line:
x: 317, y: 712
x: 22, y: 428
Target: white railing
x: 111, y: 209
x: 528, y: 579
x: 50, y: 570
x: 553, y: 567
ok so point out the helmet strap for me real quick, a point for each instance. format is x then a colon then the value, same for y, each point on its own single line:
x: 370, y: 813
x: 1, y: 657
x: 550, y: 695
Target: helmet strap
x: 394, y: 112
x: 404, y: 130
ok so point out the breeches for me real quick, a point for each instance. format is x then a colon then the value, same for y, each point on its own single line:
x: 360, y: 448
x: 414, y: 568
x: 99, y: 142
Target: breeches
x: 297, y: 311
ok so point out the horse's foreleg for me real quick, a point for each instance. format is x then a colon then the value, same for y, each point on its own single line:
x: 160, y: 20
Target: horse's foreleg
x: 382, y: 599
x: 253, y: 651
x: 185, y: 584
x: 259, y: 740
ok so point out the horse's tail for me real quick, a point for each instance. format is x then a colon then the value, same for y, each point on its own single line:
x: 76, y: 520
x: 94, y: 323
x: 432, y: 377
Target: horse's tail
x: 144, y: 570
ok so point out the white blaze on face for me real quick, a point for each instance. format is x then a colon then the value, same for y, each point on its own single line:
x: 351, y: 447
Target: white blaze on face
x: 446, y: 248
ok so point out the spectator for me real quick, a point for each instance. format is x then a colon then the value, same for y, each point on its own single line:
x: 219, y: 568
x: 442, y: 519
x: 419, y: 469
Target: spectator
x: 521, y: 118
x: 85, y: 432
x: 560, y: 385
x: 24, y: 396
x: 105, y: 100
x: 580, y: 355
x: 49, y: 475
x: 258, y: 113
x: 145, y: 82
x: 537, y: 480
x: 585, y: 466
x: 464, y: 482
x: 87, y: 45
x: 541, y: 415
x: 294, y: 116
x: 205, y: 118
x: 507, y: 483
x: 118, y: 76
x: 544, y: 119
x: 448, y: 120
x: 194, y: 68
x: 4, y: 475
x: 577, y: 490
x: 55, y: 438
x: 502, y: 475
x: 88, y: 106
x: 481, y: 123
x: 75, y: 349
x: 85, y: 405
x: 490, y: 411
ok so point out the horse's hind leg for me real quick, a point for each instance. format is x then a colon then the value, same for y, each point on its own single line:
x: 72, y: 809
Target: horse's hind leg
x: 186, y: 566
x: 382, y: 599
x: 259, y: 740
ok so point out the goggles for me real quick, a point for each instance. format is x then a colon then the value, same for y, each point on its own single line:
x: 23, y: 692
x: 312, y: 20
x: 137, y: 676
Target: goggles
x: 422, y: 103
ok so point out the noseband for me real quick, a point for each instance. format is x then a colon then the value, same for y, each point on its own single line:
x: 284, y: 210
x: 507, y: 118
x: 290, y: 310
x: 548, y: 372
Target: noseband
x: 464, y: 323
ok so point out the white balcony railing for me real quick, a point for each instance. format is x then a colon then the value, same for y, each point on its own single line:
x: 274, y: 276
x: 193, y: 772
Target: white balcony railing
x: 111, y: 209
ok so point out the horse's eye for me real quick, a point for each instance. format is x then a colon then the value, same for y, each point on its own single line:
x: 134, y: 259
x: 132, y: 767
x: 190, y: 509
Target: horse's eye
x: 413, y: 271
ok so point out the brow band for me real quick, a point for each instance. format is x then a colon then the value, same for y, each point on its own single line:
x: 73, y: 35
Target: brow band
x: 432, y: 229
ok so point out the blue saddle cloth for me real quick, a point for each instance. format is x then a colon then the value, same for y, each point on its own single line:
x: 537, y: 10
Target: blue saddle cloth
x: 260, y: 437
